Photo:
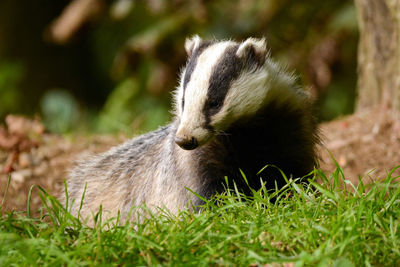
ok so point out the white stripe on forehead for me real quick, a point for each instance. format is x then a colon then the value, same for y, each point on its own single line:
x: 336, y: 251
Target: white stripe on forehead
x: 197, y: 87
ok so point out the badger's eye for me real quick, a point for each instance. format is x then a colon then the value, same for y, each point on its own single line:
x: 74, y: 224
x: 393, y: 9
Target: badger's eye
x: 214, y: 104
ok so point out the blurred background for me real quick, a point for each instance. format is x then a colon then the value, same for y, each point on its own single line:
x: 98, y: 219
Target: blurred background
x: 110, y: 65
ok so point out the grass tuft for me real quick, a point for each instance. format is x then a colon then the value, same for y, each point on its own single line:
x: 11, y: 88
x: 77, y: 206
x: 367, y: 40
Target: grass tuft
x: 321, y: 224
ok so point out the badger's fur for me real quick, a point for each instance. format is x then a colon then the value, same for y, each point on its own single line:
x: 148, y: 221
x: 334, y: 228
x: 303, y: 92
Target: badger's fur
x: 234, y: 109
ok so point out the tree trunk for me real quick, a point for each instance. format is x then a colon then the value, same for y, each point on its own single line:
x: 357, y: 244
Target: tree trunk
x: 379, y: 54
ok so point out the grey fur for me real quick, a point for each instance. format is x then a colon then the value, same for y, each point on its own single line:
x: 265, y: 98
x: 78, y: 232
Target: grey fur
x: 153, y: 170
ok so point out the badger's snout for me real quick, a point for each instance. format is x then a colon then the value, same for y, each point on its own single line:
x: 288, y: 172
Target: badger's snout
x: 190, y: 135
x: 189, y: 143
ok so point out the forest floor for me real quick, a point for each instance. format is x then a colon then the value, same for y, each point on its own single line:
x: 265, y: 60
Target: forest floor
x: 365, y: 145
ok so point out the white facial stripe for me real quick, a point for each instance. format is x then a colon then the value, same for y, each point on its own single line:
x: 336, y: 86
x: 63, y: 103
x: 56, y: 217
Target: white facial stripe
x: 178, y: 95
x: 192, y: 117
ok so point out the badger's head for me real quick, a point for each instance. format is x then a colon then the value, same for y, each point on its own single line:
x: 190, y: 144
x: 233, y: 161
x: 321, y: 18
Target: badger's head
x: 221, y: 83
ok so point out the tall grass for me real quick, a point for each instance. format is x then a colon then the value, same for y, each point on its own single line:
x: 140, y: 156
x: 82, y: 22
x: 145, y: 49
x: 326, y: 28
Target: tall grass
x: 318, y: 224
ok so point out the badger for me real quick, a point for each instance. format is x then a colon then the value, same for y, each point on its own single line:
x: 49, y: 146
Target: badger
x: 235, y: 111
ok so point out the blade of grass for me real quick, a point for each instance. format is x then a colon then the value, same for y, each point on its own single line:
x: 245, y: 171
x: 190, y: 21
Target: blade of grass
x: 46, y: 199
x: 324, y: 191
x: 81, y: 202
x: 28, y: 207
x: 66, y: 194
x: 5, y: 193
x: 196, y: 194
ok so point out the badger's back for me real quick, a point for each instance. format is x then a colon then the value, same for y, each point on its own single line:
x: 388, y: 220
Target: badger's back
x: 234, y: 109
x: 110, y: 179
x: 144, y: 170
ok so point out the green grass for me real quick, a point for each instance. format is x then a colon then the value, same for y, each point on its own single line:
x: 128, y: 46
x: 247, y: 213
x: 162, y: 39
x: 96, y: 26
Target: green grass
x: 317, y: 225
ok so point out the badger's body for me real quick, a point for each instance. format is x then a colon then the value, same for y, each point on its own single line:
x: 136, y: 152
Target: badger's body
x: 234, y: 109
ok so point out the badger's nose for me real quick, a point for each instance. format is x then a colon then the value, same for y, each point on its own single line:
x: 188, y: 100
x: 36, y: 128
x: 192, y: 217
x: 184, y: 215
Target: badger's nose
x: 186, y: 143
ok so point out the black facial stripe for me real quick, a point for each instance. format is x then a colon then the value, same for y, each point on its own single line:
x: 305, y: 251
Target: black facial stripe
x: 192, y: 64
x: 225, y: 71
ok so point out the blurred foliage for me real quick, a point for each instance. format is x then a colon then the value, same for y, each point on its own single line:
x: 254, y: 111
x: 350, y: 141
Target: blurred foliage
x: 60, y: 110
x: 119, y: 67
x: 123, y: 112
x: 10, y: 96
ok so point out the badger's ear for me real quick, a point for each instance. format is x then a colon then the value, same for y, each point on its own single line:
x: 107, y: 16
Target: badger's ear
x: 258, y: 46
x: 191, y: 44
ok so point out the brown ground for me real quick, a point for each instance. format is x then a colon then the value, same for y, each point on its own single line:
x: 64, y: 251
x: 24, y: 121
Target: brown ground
x: 366, y: 145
